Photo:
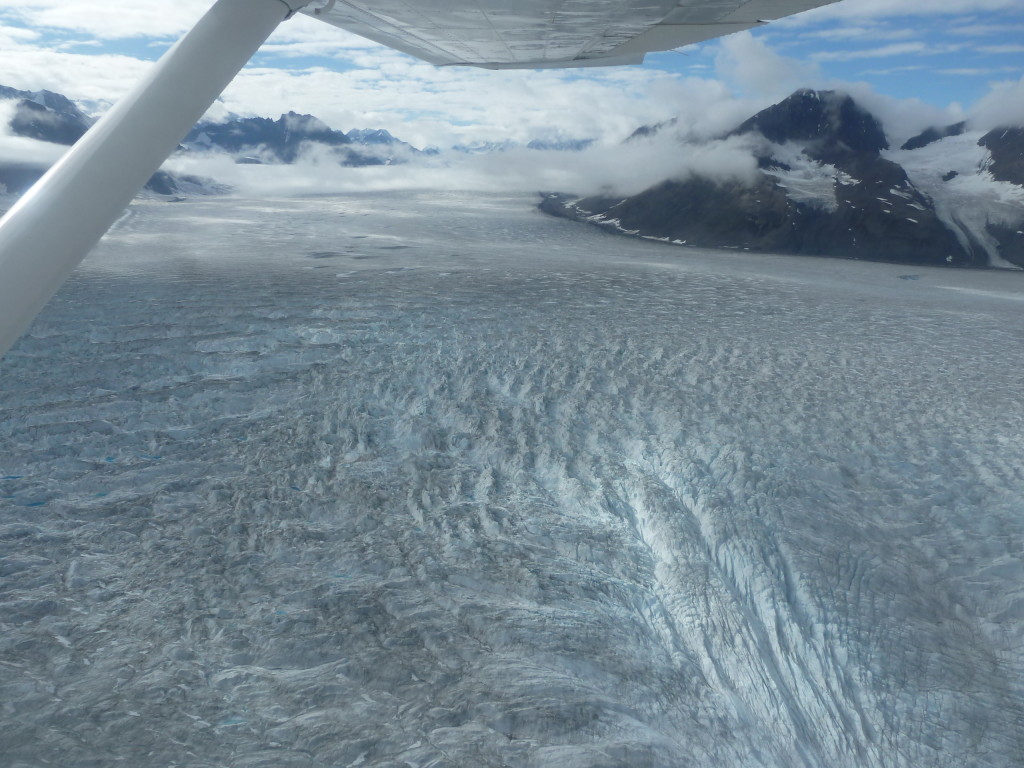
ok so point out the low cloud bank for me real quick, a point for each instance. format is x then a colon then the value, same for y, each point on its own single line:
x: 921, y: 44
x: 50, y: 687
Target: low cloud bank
x: 22, y: 152
x: 691, y: 145
x: 620, y: 169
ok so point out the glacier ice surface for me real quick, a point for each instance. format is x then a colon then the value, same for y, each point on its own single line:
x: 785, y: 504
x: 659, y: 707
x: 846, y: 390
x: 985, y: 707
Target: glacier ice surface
x: 434, y: 480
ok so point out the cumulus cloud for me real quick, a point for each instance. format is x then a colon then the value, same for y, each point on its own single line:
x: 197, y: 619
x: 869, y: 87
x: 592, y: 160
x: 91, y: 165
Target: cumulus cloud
x: 349, y: 82
x: 99, y: 77
x: 879, y: 9
x: 427, y: 106
x: 109, y: 20
x: 901, y: 118
x: 754, y: 69
x: 1002, y: 107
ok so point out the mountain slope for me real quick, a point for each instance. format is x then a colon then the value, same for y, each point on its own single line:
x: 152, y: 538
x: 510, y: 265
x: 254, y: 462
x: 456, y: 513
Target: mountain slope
x: 291, y: 136
x: 828, y: 184
x: 53, y: 118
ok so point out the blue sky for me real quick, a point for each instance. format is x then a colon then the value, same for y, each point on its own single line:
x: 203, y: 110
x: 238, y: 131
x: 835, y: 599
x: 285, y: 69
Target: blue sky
x: 920, y: 61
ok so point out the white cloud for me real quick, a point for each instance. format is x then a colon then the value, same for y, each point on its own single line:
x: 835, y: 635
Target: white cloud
x: 1001, y: 49
x: 872, y: 32
x: 901, y: 118
x: 1003, y: 106
x: 986, y: 30
x: 976, y: 71
x: 612, y: 169
x: 371, y: 86
x: 109, y: 20
x: 16, y: 150
x: 92, y: 77
x: 884, y: 51
x: 429, y: 106
x: 881, y: 9
x: 365, y: 85
x: 917, y: 48
x: 13, y: 37
x: 756, y: 70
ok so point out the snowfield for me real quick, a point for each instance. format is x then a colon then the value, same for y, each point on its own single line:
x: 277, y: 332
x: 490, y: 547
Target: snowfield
x: 972, y: 199
x: 431, y: 479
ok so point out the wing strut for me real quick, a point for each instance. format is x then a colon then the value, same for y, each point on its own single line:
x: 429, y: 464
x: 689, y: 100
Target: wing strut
x: 51, y: 229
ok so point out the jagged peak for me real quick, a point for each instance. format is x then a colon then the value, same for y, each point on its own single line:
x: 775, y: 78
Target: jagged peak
x: 293, y: 121
x: 1006, y: 146
x: 822, y: 117
x: 371, y: 136
x: 644, y: 131
x: 933, y: 134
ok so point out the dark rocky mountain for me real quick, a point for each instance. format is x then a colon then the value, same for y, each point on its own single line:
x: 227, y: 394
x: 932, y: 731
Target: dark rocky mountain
x: 485, y: 147
x: 931, y: 135
x: 646, y: 131
x: 1007, y: 148
x: 371, y: 136
x: 52, y: 117
x: 45, y: 116
x: 560, y: 145
x: 507, y: 145
x: 826, y: 123
x: 825, y: 185
x: 285, y: 140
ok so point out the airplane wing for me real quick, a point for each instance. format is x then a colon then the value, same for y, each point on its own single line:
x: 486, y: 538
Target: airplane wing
x: 534, y: 34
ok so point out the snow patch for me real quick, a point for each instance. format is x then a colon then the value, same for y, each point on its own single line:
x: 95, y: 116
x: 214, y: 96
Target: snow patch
x: 807, y: 181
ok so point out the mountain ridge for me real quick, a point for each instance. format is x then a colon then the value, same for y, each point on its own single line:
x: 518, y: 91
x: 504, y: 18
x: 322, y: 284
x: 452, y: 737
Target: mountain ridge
x: 828, y: 183
x: 53, y: 118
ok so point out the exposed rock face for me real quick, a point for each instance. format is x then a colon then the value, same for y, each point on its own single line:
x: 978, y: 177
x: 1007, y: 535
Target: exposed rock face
x: 283, y: 138
x: 1007, y: 148
x: 822, y: 188
x: 262, y: 140
x: 51, y: 117
x: 931, y: 135
x: 826, y: 123
x: 826, y: 185
x: 46, y: 116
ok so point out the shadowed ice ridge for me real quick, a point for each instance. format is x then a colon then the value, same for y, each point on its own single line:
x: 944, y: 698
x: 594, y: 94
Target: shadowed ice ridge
x: 281, y: 491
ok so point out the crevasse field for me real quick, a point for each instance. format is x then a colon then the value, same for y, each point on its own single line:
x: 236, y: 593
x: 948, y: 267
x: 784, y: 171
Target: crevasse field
x: 410, y: 479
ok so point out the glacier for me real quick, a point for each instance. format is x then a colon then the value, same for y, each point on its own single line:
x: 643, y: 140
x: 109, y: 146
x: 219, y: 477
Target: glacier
x: 432, y: 479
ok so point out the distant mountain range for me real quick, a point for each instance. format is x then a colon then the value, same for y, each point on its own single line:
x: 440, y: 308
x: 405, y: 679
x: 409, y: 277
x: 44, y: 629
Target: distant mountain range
x: 824, y: 181
x: 285, y: 140
x: 51, y: 117
x: 828, y: 183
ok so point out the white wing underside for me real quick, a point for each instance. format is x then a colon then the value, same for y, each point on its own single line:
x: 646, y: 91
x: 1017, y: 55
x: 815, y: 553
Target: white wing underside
x: 533, y: 34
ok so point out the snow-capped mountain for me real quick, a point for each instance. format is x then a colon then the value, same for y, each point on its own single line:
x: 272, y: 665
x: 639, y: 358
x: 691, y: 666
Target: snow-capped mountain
x: 45, y: 115
x: 291, y: 136
x: 41, y: 115
x: 540, y: 145
x: 53, y: 118
x: 828, y: 183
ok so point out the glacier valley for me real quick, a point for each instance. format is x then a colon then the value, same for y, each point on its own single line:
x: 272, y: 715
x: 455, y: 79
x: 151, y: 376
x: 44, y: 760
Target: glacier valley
x: 434, y: 480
